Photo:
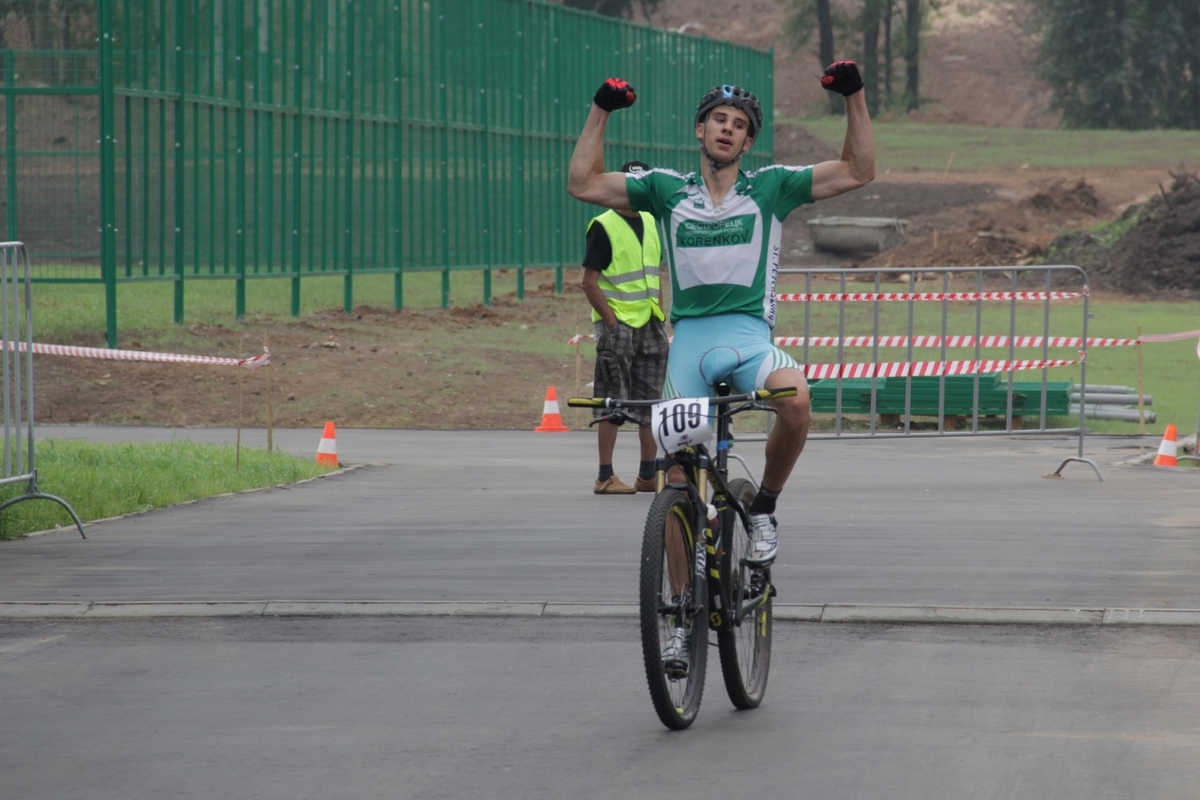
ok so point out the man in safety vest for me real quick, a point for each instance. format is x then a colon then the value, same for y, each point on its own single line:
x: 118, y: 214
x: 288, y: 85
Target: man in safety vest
x: 620, y: 280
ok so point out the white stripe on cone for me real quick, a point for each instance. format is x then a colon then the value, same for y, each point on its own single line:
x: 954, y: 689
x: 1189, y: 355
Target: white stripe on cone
x: 1168, y: 448
x: 327, y: 446
x: 550, y: 407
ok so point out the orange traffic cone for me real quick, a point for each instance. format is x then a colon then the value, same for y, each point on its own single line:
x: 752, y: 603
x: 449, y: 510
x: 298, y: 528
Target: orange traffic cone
x: 327, y: 449
x: 551, y: 419
x: 1166, y: 450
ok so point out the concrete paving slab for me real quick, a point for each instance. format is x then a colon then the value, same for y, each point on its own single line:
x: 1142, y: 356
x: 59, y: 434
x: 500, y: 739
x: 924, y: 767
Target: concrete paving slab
x: 146, y: 610
x: 42, y: 610
x: 384, y: 609
x: 934, y: 614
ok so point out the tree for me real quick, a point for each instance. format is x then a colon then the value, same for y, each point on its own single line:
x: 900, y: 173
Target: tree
x: 798, y: 28
x: 1122, y: 63
x: 912, y: 53
x: 872, y: 14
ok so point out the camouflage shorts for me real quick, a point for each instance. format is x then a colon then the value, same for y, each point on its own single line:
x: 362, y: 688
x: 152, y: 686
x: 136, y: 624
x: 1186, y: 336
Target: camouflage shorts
x: 631, y: 364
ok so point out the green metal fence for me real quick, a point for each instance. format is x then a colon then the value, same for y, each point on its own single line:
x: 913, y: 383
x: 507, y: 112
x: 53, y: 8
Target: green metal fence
x: 242, y: 139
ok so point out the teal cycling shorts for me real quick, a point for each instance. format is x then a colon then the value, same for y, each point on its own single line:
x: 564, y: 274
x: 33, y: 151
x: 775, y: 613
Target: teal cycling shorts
x: 735, y: 348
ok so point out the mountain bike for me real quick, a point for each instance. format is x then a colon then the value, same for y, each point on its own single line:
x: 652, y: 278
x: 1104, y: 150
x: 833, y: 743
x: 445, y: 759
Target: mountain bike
x: 694, y: 576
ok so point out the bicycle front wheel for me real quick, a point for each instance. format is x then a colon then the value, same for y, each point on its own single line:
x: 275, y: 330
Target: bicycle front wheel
x: 744, y: 642
x: 673, y: 605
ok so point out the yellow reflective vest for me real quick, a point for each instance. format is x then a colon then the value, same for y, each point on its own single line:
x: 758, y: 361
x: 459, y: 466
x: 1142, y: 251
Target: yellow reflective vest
x: 630, y: 284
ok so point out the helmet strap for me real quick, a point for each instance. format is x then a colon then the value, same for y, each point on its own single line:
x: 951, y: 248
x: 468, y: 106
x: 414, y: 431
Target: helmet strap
x: 717, y: 166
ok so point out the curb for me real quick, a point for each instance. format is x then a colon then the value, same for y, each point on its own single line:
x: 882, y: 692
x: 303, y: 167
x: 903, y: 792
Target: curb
x: 833, y: 613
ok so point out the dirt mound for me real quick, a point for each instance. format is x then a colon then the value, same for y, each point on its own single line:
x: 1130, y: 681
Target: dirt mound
x: 999, y: 234
x: 1151, y: 249
x: 1059, y: 197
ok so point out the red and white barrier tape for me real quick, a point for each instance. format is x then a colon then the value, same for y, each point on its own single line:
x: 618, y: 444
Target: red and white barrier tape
x: 138, y: 355
x: 936, y: 341
x: 950, y: 341
x: 888, y: 297
x: 924, y: 368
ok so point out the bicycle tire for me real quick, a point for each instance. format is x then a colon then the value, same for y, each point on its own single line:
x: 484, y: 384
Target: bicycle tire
x: 745, y: 647
x: 676, y: 699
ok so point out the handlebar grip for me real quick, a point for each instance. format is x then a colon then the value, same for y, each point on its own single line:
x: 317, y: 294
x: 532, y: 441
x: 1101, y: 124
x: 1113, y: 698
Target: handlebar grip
x: 585, y: 402
x: 775, y: 394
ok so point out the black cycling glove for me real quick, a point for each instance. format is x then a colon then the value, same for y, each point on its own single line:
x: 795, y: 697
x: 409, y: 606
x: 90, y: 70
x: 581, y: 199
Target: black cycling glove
x: 614, y: 93
x: 842, y: 77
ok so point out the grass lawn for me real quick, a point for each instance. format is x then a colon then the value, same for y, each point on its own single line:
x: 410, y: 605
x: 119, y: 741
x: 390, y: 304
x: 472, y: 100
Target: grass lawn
x: 62, y: 310
x: 924, y: 145
x: 107, y: 480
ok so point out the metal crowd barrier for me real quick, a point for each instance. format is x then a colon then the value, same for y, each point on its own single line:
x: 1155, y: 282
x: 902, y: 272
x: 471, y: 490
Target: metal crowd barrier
x: 16, y: 330
x: 975, y: 286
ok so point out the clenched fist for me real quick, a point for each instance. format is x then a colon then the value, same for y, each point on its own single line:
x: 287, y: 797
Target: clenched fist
x: 614, y: 93
x: 842, y: 77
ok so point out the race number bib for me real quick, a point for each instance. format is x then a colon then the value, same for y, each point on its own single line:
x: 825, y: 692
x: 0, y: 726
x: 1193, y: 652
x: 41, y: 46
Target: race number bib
x: 680, y: 423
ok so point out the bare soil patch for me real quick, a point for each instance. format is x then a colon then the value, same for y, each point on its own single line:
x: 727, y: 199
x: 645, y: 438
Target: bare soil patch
x: 371, y: 368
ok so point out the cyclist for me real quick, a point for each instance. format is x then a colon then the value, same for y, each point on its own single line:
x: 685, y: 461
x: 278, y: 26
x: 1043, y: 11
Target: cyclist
x: 721, y: 229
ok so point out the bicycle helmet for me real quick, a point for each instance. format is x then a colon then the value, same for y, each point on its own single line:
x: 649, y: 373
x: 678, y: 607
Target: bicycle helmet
x: 736, y: 97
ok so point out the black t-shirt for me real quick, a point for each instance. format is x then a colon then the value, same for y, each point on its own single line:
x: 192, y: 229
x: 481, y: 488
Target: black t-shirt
x: 598, y: 254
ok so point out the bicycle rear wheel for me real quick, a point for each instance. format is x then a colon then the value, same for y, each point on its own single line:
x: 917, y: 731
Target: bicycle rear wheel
x: 745, y: 642
x: 668, y: 590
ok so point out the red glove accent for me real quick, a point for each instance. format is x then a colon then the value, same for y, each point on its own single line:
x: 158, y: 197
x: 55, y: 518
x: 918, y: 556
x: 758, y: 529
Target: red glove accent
x: 842, y: 77
x: 614, y: 93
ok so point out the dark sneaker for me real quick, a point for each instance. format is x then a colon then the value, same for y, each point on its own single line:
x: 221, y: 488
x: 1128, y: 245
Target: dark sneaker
x: 764, y: 540
x: 675, y: 654
x: 613, y: 485
x: 645, y: 484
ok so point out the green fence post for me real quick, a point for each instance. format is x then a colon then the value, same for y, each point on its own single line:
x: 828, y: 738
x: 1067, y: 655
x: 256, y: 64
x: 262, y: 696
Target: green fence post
x: 239, y: 116
x: 179, y: 164
x: 398, y: 175
x: 108, y: 195
x: 518, y: 168
x: 297, y: 159
x: 485, y: 152
x: 445, y: 146
x: 348, y: 281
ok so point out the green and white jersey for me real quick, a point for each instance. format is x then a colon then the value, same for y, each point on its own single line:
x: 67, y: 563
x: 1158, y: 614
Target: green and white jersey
x: 724, y: 259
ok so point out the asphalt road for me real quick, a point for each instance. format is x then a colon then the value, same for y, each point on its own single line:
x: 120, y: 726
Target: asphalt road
x: 353, y: 672
x: 510, y: 516
x: 413, y: 707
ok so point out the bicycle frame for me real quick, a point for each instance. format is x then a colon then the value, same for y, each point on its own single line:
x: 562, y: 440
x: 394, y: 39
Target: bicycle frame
x: 700, y: 469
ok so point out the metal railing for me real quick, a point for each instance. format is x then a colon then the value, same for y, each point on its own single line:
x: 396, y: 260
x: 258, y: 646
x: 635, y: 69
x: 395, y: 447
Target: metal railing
x: 1006, y: 308
x: 16, y: 342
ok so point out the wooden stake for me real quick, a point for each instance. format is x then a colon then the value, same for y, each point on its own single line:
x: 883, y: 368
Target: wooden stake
x: 948, y: 163
x: 1141, y: 405
x: 270, y: 414
x: 237, y: 458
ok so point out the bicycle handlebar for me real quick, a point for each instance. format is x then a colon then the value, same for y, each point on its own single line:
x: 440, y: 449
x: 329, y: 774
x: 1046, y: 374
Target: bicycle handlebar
x: 612, y: 402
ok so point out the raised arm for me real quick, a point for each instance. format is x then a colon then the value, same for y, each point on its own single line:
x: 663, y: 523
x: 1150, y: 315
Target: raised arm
x: 856, y: 167
x: 586, y: 178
